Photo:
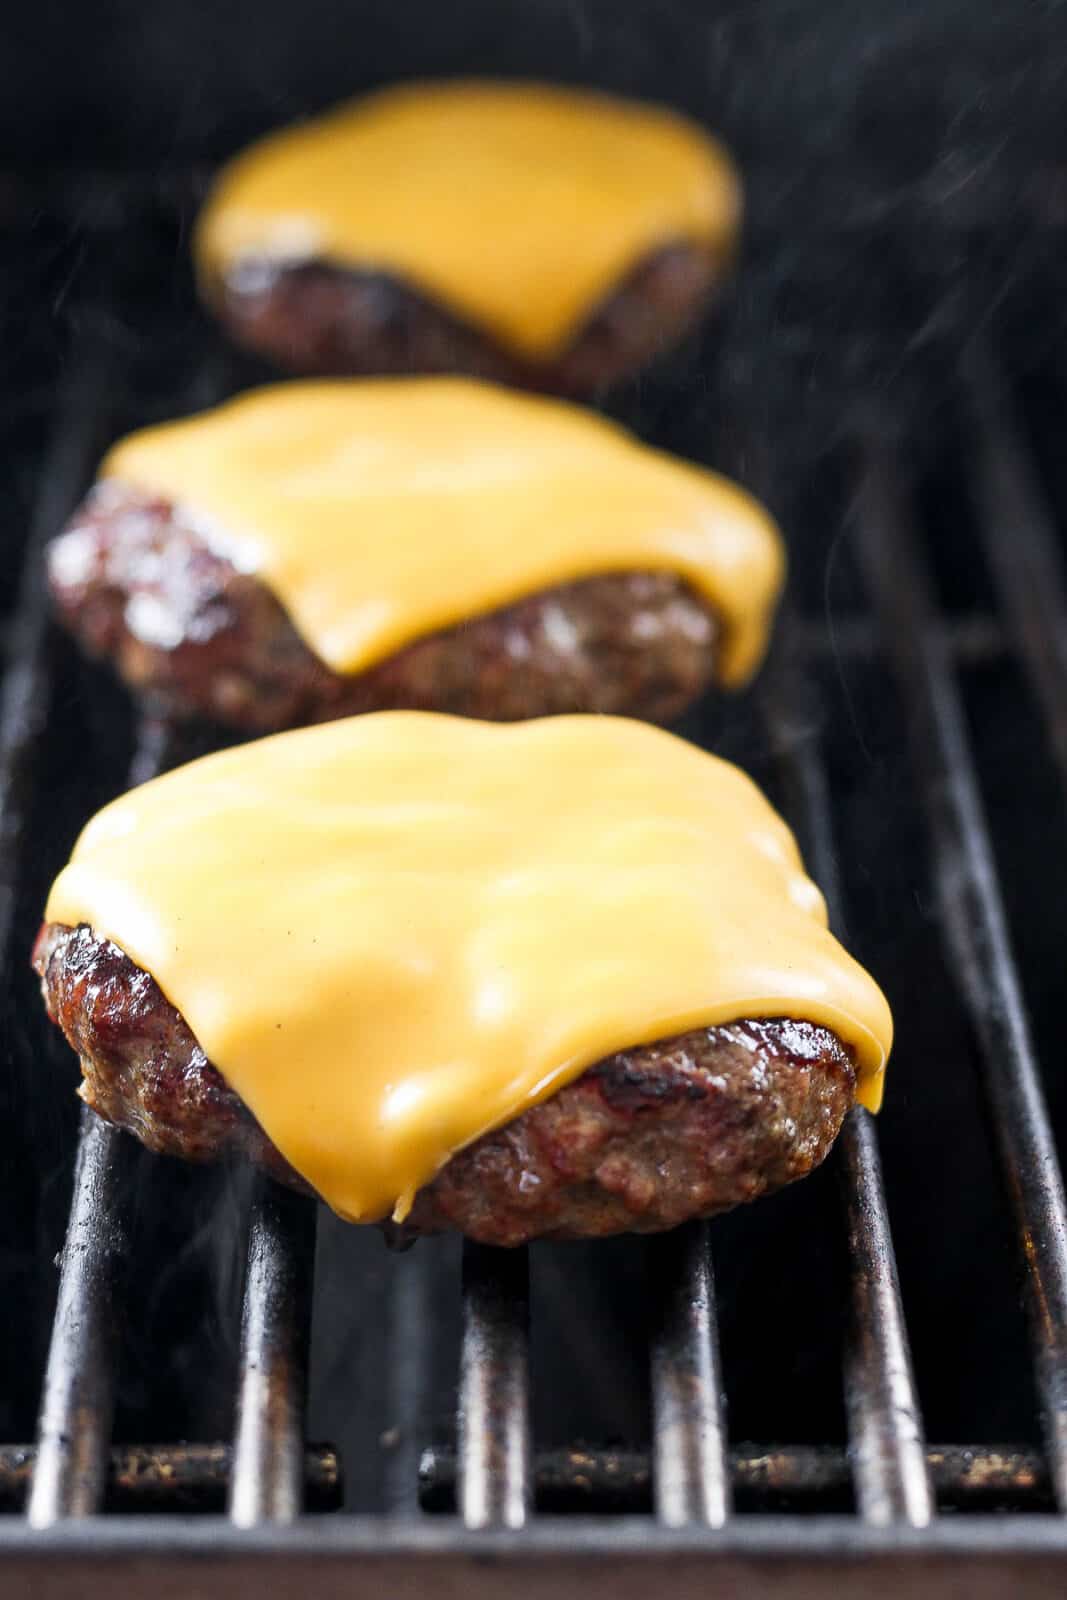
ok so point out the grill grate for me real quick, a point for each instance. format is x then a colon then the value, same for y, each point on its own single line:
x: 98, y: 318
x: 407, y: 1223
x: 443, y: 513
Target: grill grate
x: 690, y: 1496
x: 976, y: 931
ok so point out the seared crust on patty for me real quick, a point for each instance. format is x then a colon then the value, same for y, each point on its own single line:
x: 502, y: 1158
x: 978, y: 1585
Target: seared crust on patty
x: 321, y: 317
x: 642, y: 1141
x: 136, y: 582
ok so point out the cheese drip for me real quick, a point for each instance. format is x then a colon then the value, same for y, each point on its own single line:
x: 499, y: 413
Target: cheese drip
x: 519, y: 206
x: 394, y: 933
x: 381, y: 510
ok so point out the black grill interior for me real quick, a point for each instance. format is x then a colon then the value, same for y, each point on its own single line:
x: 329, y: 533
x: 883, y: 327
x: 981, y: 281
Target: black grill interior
x: 890, y: 375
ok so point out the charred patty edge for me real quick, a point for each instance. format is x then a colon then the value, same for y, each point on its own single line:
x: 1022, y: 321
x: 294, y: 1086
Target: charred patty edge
x: 641, y: 1141
x: 137, y: 582
x: 331, y: 318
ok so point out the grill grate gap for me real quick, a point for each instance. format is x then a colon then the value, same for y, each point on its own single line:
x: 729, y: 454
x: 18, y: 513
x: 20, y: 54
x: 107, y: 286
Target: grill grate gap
x: 412, y: 1314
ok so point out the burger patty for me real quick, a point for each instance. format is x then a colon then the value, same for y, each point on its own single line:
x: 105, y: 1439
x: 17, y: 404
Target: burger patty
x: 135, y: 582
x: 642, y: 1141
x: 320, y: 317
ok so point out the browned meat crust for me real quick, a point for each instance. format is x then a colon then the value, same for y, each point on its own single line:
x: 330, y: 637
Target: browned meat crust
x: 642, y: 1141
x: 320, y: 317
x: 135, y: 582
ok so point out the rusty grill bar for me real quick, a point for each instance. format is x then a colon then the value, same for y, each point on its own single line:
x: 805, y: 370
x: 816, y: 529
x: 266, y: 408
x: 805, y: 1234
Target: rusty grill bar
x: 822, y: 1477
x: 691, y: 1485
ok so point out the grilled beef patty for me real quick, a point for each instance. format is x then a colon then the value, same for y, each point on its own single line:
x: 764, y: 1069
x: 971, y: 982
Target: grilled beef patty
x: 135, y: 582
x: 642, y: 1141
x: 323, y: 318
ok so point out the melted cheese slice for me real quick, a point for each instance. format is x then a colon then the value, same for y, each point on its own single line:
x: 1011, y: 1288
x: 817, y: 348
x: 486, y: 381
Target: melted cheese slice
x: 396, y: 932
x: 519, y: 206
x: 379, y: 511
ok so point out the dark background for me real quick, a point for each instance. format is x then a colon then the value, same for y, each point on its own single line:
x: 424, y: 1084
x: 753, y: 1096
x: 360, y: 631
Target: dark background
x: 881, y: 95
x: 866, y: 132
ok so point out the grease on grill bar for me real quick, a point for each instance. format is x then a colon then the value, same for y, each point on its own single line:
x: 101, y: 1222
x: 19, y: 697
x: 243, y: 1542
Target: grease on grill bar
x: 799, y: 1479
x: 196, y: 1478
x: 172, y: 1477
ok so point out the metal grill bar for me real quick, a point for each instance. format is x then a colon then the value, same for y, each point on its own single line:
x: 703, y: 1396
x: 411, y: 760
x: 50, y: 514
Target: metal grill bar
x: 586, y: 1479
x: 195, y: 1477
x: 884, y: 1417
x: 74, y: 1430
x: 25, y: 699
x: 23, y: 711
x: 267, y: 1483
x: 495, y: 1485
x: 975, y: 927
x: 170, y: 1477
x: 973, y: 639
x: 691, y: 1478
x: 1021, y: 547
